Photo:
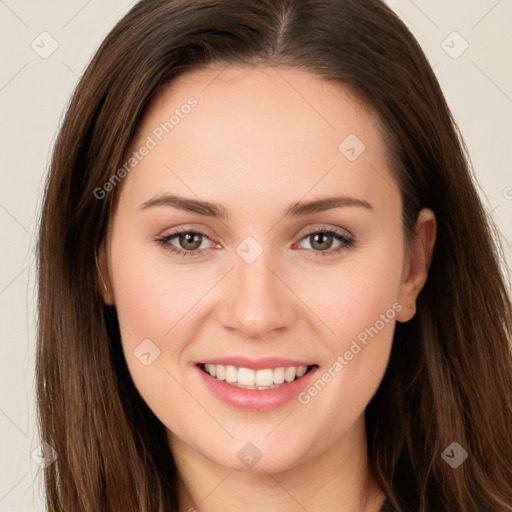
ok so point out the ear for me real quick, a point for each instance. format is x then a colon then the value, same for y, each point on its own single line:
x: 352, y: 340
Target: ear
x: 416, y: 264
x: 104, y: 282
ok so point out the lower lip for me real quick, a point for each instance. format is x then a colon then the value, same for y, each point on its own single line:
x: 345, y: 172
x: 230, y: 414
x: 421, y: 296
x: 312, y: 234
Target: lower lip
x: 254, y: 399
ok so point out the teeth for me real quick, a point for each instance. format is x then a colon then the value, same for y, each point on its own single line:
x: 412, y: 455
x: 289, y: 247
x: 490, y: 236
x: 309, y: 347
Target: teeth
x: 301, y: 370
x: 231, y: 374
x: 279, y: 375
x: 255, y: 379
x: 210, y: 368
x: 246, y: 377
x: 290, y: 373
x: 220, y: 372
x: 265, y: 378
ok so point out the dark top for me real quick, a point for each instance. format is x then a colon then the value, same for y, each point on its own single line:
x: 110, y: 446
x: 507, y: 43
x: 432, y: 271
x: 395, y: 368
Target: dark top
x: 386, y: 507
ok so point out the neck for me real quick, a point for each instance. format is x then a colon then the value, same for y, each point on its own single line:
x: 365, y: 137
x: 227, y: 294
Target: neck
x: 337, y: 480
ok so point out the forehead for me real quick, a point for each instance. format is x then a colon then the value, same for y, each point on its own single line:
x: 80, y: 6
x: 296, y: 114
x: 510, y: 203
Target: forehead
x: 251, y: 90
x: 255, y: 129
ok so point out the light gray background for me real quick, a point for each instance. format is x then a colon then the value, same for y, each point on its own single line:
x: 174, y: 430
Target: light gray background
x: 35, y: 90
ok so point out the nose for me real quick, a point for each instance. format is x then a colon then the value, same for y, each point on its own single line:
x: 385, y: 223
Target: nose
x: 256, y: 302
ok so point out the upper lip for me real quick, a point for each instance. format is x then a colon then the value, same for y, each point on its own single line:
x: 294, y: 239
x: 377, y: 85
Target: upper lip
x: 256, y: 364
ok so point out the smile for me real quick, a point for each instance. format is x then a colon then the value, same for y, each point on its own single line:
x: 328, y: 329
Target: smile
x: 247, y: 378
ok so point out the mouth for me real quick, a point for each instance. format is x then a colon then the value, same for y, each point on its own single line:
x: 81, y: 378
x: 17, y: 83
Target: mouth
x: 261, y: 379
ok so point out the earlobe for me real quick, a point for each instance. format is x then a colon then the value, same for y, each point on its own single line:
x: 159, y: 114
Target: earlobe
x: 103, y: 277
x: 416, y: 265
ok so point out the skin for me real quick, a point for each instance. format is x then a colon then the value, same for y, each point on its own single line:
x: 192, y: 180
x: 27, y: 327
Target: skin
x: 259, y: 140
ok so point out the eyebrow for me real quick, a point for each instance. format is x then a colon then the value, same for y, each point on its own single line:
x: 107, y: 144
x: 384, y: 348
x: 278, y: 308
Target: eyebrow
x: 216, y: 210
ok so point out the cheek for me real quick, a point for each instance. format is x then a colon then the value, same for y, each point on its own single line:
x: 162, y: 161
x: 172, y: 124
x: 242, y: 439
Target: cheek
x: 138, y: 301
x: 359, y: 305
x: 156, y: 301
x: 151, y: 296
x: 149, y: 303
x: 352, y: 298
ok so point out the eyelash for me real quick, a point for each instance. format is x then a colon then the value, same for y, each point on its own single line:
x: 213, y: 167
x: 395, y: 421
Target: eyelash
x: 347, y: 242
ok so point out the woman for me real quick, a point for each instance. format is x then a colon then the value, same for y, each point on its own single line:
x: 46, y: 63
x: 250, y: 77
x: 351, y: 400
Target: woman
x: 266, y: 279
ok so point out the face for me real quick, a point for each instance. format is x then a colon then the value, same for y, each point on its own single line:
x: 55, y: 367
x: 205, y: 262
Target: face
x: 297, y: 261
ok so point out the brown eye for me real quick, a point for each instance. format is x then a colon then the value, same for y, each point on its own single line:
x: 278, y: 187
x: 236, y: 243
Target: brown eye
x: 190, y: 241
x: 185, y: 242
x: 321, y: 241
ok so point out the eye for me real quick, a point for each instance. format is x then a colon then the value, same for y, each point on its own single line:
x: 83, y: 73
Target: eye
x: 190, y: 240
x: 321, y: 240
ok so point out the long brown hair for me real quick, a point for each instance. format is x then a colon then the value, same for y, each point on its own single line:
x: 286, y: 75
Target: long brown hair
x: 449, y: 377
